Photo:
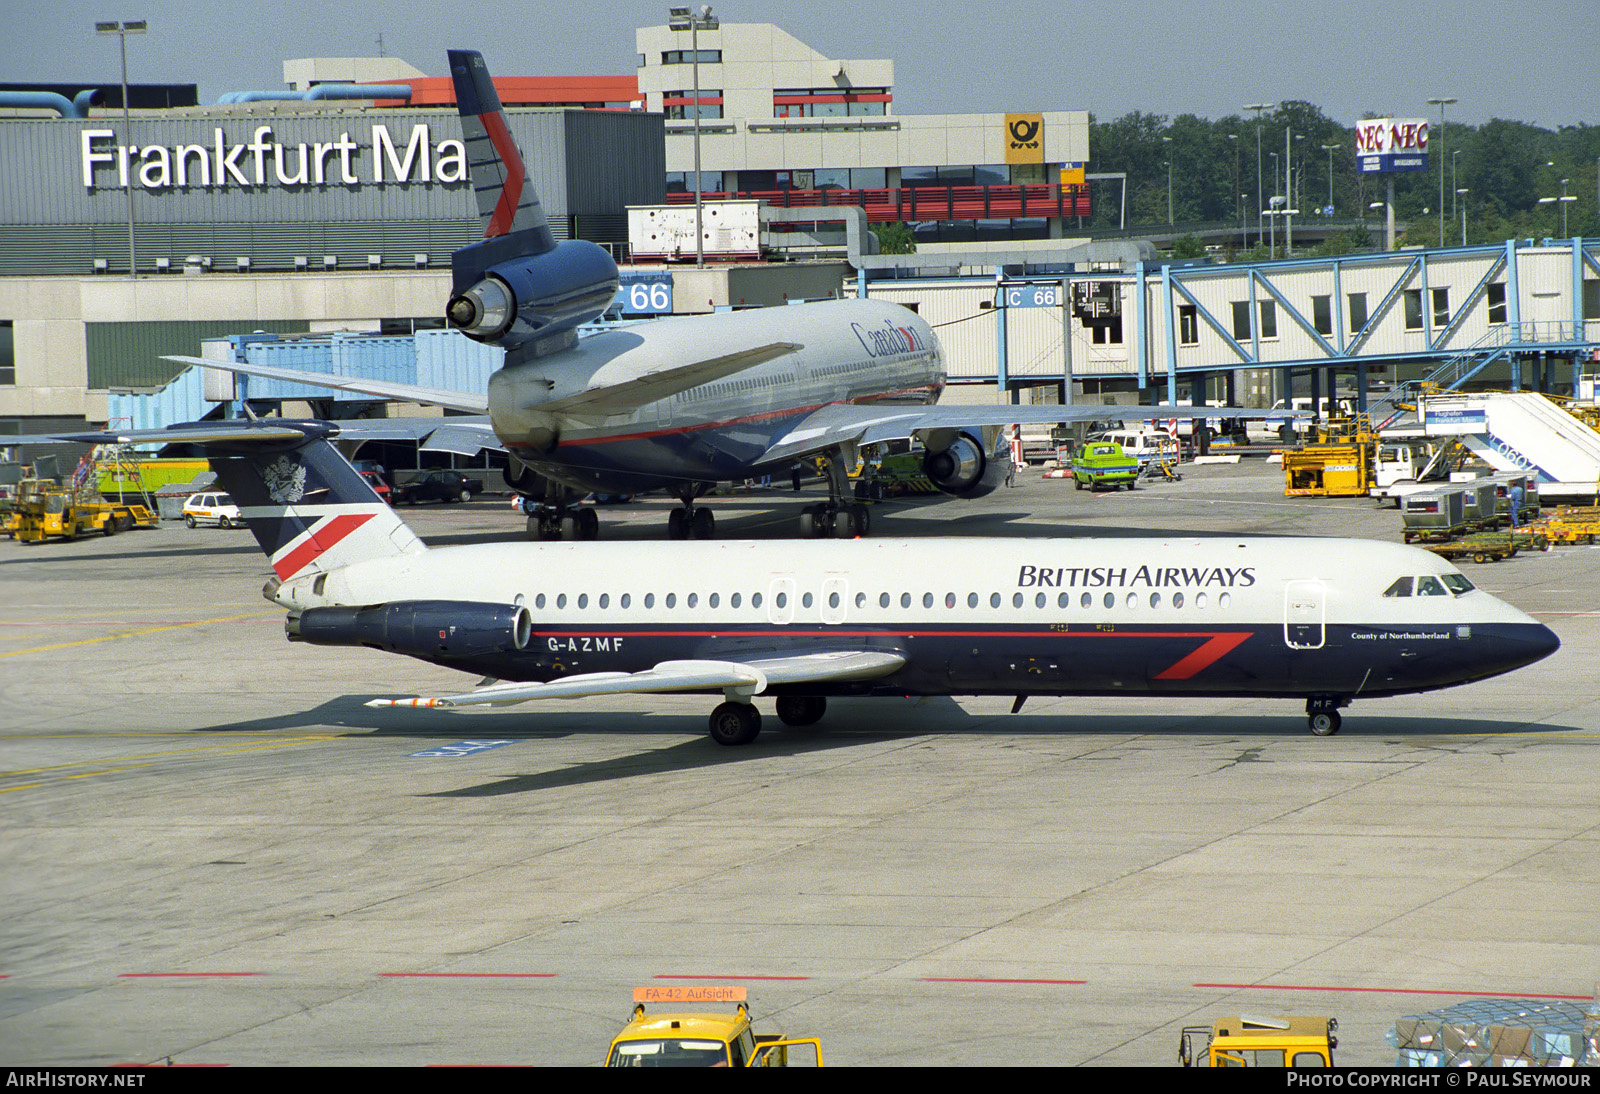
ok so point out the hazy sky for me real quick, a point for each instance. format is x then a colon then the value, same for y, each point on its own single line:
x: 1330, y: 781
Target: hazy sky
x: 1529, y: 60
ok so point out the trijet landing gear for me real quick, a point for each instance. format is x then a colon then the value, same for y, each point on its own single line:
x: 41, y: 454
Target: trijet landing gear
x: 692, y: 521
x: 825, y: 519
x: 735, y: 723
x: 550, y: 522
x: 556, y: 515
x: 838, y: 517
x: 1322, y: 714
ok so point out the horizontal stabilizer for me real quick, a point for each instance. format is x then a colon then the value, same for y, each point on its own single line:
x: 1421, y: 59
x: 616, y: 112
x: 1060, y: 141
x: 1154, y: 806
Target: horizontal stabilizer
x: 381, y: 389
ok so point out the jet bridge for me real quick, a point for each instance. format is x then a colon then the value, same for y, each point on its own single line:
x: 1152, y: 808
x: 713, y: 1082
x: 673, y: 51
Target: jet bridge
x: 1521, y: 432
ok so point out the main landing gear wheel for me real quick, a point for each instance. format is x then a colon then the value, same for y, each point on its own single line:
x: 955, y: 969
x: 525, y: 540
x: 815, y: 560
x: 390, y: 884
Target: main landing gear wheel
x: 801, y: 710
x: 579, y: 524
x: 735, y: 723
x: 843, y: 515
x: 697, y: 523
x: 826, y: 520
x: 1322, y: 715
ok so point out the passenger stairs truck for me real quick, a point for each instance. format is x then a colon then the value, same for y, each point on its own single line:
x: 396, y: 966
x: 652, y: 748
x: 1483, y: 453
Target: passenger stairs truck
x: 1523, y: 433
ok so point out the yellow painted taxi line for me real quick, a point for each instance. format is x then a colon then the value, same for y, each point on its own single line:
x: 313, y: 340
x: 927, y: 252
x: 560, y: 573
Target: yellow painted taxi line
x: 229, y: 748
x: 140, y: 633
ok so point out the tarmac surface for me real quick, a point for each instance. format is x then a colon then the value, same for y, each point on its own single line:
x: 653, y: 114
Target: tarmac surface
x: 212, y: 852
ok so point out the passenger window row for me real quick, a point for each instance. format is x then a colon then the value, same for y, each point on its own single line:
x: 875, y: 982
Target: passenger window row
x: 928, y: 601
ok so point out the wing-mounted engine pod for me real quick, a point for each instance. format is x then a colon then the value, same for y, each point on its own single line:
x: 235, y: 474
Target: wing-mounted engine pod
x: 429, y: 629
x: 962, y: 469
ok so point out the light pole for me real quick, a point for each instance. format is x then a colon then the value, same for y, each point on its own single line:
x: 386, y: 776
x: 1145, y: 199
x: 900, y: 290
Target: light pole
x: 1260, y: 200
x: 1234, y: 137
x: 1462, y: 194
x: 1441, y: 104
x: 122, y: 30
x: 1290, y: 196
x: 1272, y: 246
x: 1330, y: 149
x: 694, y: 21
x: 1453, y: 181
x: 1168, y: 141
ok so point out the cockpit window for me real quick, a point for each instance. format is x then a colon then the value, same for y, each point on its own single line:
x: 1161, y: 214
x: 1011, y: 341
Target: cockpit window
x: 1429, y: 585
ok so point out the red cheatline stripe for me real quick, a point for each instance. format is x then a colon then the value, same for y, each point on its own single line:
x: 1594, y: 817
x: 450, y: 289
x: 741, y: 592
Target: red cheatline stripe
x: 1393, y: 991
x: 470, y: 975
x: 720, y: 976
x: 175, y: 975
x: 323, y: 537
x: 505, y: 210
x: 1210, y: 652
x: 993, y: 980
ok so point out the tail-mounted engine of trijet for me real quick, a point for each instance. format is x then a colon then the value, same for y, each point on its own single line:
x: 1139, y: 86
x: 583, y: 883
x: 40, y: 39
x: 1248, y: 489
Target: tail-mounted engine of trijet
x: 507, y: 297
x: 518, y: 288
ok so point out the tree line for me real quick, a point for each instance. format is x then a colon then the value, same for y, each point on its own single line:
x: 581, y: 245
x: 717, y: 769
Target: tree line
x: 1505, y: 167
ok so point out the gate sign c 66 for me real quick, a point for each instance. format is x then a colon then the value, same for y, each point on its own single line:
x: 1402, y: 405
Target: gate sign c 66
x: 1033, y: 296
x: 646, y: 294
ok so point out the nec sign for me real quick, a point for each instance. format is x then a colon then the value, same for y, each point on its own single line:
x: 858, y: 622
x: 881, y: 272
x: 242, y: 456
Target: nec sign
x: 266, y: 161
x: 1392, y: 144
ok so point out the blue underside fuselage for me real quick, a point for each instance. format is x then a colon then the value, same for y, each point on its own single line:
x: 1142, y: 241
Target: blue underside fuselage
x: 1083, y: 659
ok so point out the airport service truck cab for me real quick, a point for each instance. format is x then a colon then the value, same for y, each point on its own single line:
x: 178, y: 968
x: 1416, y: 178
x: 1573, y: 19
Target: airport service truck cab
x: 1248, y: 1040
x: 1100, y: 465
x: 701, y: 1038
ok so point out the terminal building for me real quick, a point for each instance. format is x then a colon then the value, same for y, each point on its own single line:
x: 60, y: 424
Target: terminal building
x: 780, y: 122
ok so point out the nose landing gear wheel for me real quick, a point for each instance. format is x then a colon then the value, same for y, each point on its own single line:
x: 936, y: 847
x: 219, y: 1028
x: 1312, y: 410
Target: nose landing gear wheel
x: 735, y: 723
x: 1324, y: 722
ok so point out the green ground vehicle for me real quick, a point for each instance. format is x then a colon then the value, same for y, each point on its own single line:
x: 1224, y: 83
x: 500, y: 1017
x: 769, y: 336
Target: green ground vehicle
x: 1103, y: 465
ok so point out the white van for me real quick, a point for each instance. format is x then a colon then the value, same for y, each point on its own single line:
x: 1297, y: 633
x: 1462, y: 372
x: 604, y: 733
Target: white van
x: 1282, y: 431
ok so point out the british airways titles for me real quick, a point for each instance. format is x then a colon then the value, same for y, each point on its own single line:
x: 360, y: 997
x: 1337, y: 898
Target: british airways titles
x: 1155, y: 577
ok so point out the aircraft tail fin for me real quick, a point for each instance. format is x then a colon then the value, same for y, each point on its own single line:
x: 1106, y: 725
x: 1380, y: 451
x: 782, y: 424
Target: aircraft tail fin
x: 309, y: 509
x: 506, y: 198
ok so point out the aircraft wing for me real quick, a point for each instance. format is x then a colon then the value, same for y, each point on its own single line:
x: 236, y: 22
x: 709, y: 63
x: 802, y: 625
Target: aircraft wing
x: 466, y: 435
x: 865, y: 424
x: 380, y: 389
x: 746, y: 677
x: 611, y: 399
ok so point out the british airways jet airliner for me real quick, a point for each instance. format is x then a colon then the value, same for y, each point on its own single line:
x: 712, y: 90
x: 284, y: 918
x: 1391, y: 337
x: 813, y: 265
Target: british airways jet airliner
x: 1326, y: 621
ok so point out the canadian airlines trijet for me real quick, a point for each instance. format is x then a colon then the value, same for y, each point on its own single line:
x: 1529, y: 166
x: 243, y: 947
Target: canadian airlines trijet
x: 1324, y: 620
x: 682, y: 404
